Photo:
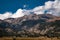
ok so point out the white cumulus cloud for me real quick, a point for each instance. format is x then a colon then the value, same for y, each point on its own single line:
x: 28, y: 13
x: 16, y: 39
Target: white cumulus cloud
x: 51, y: 7
x: 19, y: 13
x: 5, y: 15
x: 39, y: 10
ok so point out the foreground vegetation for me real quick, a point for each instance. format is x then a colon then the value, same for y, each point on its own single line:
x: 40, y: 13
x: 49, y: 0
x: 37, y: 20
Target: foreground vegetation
x: 30, y: 38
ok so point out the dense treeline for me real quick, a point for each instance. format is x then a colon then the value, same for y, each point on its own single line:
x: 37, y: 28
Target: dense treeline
x: 51, y: 29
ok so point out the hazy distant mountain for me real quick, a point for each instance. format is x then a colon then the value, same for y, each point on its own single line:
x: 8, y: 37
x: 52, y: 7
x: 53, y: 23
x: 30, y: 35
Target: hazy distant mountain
x: 31, y: 26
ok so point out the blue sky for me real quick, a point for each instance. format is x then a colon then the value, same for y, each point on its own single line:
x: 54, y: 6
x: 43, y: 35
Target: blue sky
x: 14, y: 5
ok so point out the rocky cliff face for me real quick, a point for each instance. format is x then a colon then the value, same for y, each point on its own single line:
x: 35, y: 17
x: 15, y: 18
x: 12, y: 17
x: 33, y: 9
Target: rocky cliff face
x: 31, y: 26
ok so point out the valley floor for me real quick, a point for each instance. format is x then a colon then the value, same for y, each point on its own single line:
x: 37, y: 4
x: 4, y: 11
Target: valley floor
x: 29, y: 38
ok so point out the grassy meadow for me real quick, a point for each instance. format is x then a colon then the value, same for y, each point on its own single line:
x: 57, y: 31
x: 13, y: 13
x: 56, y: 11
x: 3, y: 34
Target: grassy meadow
x: 29, y: 38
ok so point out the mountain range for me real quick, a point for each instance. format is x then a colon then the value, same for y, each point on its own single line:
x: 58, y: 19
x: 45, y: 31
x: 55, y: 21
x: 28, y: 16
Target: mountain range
x: 31, y: 25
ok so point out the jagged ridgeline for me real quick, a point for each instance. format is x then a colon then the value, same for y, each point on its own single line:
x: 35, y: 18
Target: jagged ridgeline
x: 31, y: 26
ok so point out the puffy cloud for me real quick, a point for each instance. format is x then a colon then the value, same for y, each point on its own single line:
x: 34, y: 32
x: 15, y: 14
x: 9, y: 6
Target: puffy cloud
x: 51, y: 7
x: 19, y: 13
x: 5, y: 15
x: 48, y: 5
x: 55, y: 9
x: 39, y: 10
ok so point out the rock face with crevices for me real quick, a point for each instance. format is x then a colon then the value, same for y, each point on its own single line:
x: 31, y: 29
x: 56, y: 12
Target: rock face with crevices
x: 31, y: 26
